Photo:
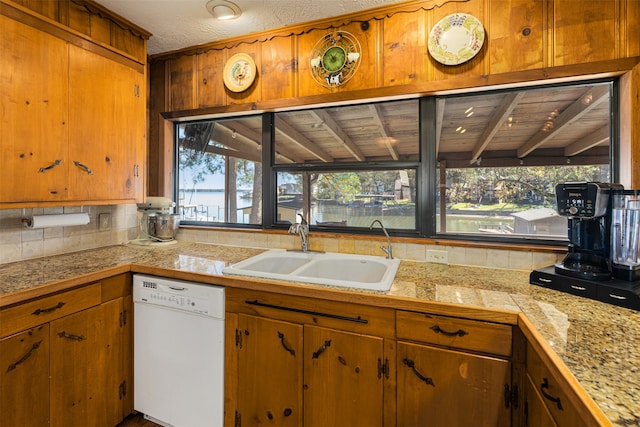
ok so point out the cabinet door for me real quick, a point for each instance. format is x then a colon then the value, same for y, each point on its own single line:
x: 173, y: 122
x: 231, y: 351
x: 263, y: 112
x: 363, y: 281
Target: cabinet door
x: 343, y: 380
x: 24, y: 378
x: 106, y: 126
x: 438, y: 387
x: 86, y: 367
x: 269, y: 372
x: 537, y: 413
x: 33, y: 114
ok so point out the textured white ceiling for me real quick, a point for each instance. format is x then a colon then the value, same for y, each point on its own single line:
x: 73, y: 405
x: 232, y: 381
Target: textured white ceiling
x: 176, y: 24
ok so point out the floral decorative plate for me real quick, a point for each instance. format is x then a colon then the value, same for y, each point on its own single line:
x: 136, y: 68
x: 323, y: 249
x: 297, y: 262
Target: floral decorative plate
x: 239, y: 72
x: 456, y: 39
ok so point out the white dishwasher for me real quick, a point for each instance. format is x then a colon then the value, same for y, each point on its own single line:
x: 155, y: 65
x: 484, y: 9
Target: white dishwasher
x: 178, y: 352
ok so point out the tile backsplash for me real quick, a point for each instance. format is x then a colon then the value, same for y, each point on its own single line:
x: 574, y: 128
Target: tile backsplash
x: 18, y: 242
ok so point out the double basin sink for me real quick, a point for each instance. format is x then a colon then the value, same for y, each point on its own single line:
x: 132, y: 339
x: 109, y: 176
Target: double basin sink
x: 324, y: 268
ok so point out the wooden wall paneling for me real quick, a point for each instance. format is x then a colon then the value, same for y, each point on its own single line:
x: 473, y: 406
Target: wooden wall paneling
x: 78, y: 18
x: 253, y: 93
x: 584, y: 31
x: 476, y: 66
x: 515, y: 34
x: 182, y: 75
x: 631, y: 17
x: 48, y: 8
x: 278, y: 67
x: 126, y: 41
x: 100, y: 29
x: 158, y: 102
x: 405, y: 53
x: 306, y: 84
x: 210, y: 84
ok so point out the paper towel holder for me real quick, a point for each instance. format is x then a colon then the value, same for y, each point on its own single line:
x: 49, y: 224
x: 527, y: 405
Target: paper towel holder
x: 56, y: 220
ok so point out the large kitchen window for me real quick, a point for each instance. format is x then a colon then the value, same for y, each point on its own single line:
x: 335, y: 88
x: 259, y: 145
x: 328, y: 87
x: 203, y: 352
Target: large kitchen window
x: 480, y: 166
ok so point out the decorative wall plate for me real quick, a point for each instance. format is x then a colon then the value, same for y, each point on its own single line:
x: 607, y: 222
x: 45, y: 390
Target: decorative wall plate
x: 239, y: 72
x: 335, y: 58
x: 456, y: 39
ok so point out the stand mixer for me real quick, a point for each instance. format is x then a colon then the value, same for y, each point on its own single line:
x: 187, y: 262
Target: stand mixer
x: 158, y: 222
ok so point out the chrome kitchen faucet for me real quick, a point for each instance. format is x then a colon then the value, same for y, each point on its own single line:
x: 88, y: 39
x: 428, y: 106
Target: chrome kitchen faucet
x: 301, y: 228
x: 388, y: 249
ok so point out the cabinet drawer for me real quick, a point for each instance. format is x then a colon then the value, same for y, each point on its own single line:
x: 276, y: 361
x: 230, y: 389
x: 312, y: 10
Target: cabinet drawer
x: 43, y: 310
x: 446, y: 331
x: 314, y: 311
x: 553, y: 392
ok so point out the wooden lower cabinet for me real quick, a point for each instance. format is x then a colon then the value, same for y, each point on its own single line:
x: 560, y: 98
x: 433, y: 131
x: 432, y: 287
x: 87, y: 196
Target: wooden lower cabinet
x: 294, y: 375
x: 24, y: 378
x: 441, y: 387
x: 74, y: 369
x: 537, y: 413
x: 343, y: 378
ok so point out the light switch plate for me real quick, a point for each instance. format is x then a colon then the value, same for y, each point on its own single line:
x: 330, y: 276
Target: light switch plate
x: 104, y: 222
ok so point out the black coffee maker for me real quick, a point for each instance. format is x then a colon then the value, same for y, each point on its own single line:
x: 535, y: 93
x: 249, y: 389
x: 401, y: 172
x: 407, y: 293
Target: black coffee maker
x: 586, y: 270
x: 587, y: 208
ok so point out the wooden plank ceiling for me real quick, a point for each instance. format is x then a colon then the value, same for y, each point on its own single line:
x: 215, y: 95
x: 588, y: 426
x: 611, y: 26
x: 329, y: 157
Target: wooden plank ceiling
x: 557, y: 125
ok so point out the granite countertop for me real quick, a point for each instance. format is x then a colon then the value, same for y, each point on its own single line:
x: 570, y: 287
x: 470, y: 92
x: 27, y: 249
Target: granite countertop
x: 598, y: 342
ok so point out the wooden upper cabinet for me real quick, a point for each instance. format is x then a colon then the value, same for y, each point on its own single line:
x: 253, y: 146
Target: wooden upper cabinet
x: 34, y: 105
x: 106, y: 127
x: 515, y: 35
x: 584, y: 31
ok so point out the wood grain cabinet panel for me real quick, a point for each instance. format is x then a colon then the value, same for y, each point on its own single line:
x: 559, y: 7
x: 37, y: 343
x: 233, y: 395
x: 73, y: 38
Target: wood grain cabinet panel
x: 34, y: 105
x: 277, y: 68
x: 24, y: 378
x: 438, y: 387
x: 182, y: 75
x: 210, y: 84
x: 107, y: 104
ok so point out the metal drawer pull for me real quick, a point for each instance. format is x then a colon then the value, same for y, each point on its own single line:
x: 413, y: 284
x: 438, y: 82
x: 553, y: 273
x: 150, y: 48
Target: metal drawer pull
x: 51, y: 166
x: 83, y: 167
x: 438, y: 330
x: 48, y: 310
x: 411, y: 364
x: 63, y: 334
x: 284, y: 344
x: 28, y: 354
x: 313, y: 313
x: 543, y: 387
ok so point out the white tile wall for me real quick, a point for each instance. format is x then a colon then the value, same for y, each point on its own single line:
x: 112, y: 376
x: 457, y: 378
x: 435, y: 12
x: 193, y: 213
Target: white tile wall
x: 19, y: 243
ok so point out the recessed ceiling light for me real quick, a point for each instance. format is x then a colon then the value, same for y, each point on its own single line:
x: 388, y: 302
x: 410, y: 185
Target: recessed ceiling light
x: 223, y: 9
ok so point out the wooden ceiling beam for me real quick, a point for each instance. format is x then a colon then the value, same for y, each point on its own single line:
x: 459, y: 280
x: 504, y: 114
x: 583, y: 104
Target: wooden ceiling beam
x: 586, y: 102
x: 498, y: 118
x: 240, y: 137
x: 593, y: 139
x: 336, y: 131
x: 377, y: 114
x: 286, y: 130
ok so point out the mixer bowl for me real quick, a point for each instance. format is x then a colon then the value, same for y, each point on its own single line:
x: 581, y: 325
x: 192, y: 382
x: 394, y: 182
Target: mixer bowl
x: 161, y: 226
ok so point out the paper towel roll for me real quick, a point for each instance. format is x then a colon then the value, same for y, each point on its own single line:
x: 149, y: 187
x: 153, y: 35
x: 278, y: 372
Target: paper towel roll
x: 62, y: 220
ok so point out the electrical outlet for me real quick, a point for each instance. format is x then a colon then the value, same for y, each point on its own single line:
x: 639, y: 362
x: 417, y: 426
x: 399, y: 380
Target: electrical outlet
x: 104, y: 222
x: 440, y: 257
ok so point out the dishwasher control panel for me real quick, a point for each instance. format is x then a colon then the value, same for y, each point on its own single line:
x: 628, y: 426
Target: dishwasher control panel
x: 207, y: 300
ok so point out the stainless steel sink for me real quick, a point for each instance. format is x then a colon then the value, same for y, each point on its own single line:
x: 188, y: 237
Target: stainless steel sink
x: 344, y: 270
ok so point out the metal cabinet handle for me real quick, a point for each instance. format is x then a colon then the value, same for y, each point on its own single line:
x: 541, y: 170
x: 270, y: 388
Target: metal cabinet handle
x: 543, y: 389
x: 411, y: 364
x: 63, y: 334
x: 48, y: 310
x: 285, y: 345
x: 438, y: 330
x: 321, y: 350
x: 83, y: 167
x: 28, y: 354
x: 51, y: 166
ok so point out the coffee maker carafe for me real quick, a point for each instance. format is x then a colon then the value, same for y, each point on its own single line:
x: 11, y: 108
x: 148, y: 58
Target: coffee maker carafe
x: 586, y: 206
x: 625, y: 235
